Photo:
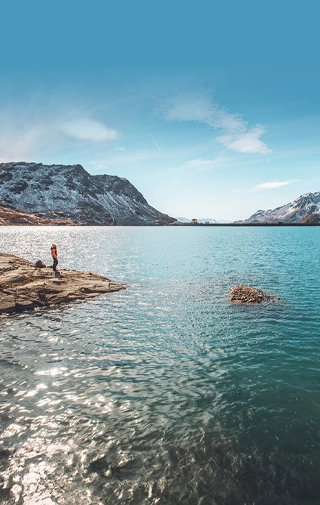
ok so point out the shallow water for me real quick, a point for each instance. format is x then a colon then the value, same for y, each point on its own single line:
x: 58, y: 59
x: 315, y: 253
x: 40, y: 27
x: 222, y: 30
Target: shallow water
x: 165, y: 392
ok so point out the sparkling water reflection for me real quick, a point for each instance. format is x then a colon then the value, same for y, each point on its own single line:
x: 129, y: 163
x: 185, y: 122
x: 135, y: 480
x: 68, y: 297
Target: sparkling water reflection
x: 165, y: 392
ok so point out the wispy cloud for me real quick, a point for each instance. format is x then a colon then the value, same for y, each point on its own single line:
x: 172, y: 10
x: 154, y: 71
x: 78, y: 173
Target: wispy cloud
x: 130, y: 157
x: 235, y: 131
x: 97, y: 166
x: 39, y: 127
x: 271, y: 185
x: 201, y: 163
x: 23, y: 140
x: 245, y: 142
x: 121, y: 159
x: 88, y: 129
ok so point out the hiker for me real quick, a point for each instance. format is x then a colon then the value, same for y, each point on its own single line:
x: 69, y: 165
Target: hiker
x: 54, y: 254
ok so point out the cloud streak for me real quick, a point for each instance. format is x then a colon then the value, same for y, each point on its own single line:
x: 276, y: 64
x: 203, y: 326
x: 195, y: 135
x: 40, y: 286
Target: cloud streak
x: 200, y: 163
x: 155, y: 143
x: 236, y: 135
x: 271, y: 185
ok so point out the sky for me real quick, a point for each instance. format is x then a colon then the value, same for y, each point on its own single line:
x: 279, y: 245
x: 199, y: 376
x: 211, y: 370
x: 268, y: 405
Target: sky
x: 210, y: 109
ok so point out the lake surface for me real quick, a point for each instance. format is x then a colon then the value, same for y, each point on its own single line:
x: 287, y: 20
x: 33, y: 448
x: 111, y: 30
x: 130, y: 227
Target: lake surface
x: 165, y: 392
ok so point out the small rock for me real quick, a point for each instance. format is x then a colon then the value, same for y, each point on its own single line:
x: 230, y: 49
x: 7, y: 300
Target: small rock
x: 40, y: 264
x: 247, y: 295
x: 15, y: 492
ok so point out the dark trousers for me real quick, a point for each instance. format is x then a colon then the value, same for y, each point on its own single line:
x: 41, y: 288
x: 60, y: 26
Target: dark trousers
x: 55, y: 263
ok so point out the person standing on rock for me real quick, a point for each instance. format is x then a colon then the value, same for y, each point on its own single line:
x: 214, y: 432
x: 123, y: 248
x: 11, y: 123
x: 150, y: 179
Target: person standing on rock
x: 54, y: 254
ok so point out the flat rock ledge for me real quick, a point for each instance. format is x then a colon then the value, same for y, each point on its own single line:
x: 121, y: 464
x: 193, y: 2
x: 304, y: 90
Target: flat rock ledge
x: 23, y: 286
x: 247, y: 295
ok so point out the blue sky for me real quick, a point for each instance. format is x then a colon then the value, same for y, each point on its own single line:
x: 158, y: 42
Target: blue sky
x: 210, y: 110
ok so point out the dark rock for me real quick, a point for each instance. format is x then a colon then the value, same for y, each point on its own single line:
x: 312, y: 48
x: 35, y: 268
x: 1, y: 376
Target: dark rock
x: 40, y: 264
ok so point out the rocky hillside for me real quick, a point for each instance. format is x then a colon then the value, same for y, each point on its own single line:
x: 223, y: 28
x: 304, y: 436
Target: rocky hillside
x: 292, y: 212
x: 75, y: 194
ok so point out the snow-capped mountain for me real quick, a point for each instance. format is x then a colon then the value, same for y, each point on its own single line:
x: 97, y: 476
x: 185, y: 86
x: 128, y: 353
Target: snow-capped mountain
x: 293, y: 212
x: 75, y: 194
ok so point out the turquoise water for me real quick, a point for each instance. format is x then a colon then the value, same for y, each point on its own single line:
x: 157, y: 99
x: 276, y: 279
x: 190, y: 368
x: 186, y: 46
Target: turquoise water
x: 165, y: 392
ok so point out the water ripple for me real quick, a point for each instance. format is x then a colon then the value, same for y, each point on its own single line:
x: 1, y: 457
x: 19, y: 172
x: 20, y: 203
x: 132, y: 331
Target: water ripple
x: 165, y: 393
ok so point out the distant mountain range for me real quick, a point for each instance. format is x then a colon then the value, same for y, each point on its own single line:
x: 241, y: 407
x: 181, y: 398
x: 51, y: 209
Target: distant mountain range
x: 202, y: 220
x: 69, y: 192
x: 297, y: 211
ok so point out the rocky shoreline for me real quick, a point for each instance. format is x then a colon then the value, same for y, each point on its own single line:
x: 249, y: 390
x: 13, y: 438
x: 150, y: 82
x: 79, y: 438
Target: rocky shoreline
x: 23, y: 286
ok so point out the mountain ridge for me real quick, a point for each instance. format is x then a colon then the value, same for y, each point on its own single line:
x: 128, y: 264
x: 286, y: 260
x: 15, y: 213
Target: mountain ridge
x: 292, y: 212
x: 106, y: 200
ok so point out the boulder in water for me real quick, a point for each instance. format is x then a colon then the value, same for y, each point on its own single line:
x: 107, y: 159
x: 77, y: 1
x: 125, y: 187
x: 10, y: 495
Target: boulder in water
x: 247, y: 295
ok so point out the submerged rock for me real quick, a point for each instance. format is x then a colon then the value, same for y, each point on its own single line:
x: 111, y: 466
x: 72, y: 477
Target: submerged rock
x: 25, y: 287
x: 245, y: 294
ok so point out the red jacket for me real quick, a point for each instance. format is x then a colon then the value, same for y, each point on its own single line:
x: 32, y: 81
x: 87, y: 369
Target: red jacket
x: 54, y: 253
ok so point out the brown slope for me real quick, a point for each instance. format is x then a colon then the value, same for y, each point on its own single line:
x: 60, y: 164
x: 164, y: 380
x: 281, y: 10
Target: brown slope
x: 16, y: 217
x: 311, y: 219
